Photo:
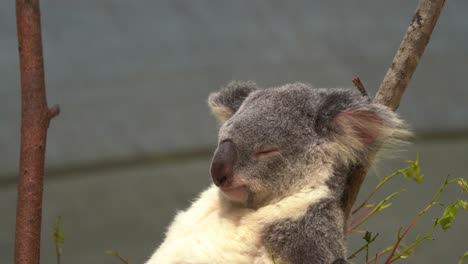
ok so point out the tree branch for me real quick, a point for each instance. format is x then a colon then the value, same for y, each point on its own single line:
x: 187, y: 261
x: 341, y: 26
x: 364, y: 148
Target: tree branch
x: 35, y: 118
x: 396, y: 80
x: 410, y: 52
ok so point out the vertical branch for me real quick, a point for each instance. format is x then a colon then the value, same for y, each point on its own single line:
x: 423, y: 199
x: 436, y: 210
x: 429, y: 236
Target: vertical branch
x: 35, y: 118
x: 397, y: 78
x: 409, y: 53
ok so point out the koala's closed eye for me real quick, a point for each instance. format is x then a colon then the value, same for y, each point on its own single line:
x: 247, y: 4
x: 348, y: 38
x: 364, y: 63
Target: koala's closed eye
x: 266, y: 152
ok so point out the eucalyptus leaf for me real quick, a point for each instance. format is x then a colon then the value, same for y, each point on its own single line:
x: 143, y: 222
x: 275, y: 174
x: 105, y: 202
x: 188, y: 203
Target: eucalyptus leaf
x: 448, y: 216
x: 463, y: 184
x: 59, y: 236
x: 463, y: 204
x: 465, y: 256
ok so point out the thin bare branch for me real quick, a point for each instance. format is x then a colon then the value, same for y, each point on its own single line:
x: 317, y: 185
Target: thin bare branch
x: 35, y: 117
x: 357, y: 82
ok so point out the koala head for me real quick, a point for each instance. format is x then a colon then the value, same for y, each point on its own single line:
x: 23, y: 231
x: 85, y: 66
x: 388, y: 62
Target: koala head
x: 276, y: 141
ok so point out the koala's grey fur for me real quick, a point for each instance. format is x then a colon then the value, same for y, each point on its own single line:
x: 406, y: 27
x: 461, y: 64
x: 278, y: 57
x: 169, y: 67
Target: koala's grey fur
x: 316, y: 237
x: 298, y: 119
x: 320, y: 134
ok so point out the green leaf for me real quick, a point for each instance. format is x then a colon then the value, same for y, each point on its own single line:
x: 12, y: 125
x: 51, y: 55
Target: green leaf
x: 275, y: 261
x: 59, y: 236
x: 413, y: 171
x: 463, y: 204
x: 368, y: 236
x: 399, y: 232
x: 463, y: 184
x: 407, y: 252
x: 448, y: 216
x: 463, y: 258
x: 385, y: 206
x: 369, y: 239
x: 417, y: 237
x: 419, y: 178
x: 406, y: 174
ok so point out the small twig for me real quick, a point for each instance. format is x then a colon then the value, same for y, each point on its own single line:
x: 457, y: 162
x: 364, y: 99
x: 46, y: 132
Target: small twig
x: 376, y: 257
x: 117, y: 255
x: 381, y: 183
x: 415, y: 243
x: 381, y: 205
x: 365, y: 202
x: 125, y: 261
x: 415, y: 220
x: 57, y: 254
x: 357, y: 82
x: 400, y: 238
x: 359, y: 217
x: 366, y: 247
x: 54, y: 111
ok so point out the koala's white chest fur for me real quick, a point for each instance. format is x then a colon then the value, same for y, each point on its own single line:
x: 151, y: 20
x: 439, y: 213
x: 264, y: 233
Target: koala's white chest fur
x: 208, y: 232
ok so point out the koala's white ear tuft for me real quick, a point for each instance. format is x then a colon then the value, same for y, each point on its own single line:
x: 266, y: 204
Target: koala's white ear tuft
x: 226, y: 102
x: 220, y: 111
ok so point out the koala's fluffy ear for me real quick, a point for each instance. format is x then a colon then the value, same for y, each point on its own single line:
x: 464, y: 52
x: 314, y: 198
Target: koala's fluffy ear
x: 227, y: 101
x: 373, y: 126
x: 362, y: 126
x: 357, y: 125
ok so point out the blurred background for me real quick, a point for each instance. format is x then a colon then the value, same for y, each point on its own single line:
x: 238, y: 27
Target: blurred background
x: 134, y: 140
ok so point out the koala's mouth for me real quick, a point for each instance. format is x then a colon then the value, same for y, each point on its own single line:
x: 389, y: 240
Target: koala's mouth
x: 235, y: 193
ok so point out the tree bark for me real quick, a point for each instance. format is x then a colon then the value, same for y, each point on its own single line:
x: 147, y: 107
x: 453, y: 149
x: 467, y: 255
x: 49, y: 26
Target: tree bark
x: 35, y: 118
x: 397, y: 78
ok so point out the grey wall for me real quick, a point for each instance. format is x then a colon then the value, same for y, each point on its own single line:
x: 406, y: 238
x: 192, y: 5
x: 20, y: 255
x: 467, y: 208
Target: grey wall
x: 133, y: 142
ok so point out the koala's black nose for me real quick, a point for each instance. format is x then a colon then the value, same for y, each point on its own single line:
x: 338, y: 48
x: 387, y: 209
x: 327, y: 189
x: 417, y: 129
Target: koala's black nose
x: 222, y: 165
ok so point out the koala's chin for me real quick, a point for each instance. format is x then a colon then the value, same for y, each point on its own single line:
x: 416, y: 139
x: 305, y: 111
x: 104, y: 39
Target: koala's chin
x: 238, y: 194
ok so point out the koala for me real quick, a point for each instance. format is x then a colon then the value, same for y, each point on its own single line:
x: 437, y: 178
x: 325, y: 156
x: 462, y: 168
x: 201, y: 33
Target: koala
x: 279, y: 174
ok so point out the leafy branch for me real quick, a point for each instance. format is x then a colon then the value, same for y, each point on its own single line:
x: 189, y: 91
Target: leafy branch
x: 392, y: 257
x: 397, y: 251
x: 462, y: 258
x: 380, y: 206
x: 412, y: 171
x: 369, y: 239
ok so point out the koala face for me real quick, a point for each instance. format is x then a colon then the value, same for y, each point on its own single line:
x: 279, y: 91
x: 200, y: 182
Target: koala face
x: 276, y: 141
